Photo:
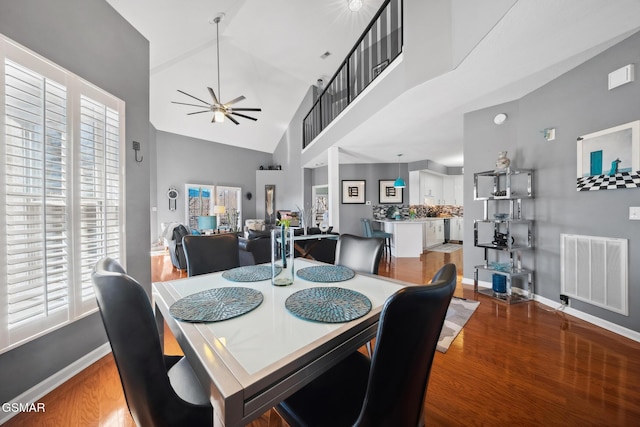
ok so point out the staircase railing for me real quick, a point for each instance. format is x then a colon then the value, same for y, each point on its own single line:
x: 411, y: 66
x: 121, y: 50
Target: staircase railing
x: 376, y: 48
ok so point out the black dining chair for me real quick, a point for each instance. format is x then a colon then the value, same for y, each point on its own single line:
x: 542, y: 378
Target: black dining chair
x: 160, y: 390
x: 387, y: 390
x: 360, y: 254
x: 208, y: 254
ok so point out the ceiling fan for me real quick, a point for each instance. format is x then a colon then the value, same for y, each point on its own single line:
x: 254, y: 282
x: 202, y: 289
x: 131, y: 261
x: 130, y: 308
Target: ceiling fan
x: 220, y: 110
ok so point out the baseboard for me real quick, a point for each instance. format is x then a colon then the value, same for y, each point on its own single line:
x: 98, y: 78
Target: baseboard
x: 604, y: 324
x: 38, y: 391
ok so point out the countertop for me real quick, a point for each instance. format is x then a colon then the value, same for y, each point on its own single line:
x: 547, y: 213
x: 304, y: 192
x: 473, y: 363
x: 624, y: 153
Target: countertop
x: 427, y: 219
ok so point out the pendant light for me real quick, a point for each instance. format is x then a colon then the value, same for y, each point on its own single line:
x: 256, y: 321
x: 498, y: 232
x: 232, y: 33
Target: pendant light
x: 399, y: 183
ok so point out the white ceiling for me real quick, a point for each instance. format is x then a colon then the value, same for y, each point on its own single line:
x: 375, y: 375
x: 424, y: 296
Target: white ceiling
x: 270, y: 53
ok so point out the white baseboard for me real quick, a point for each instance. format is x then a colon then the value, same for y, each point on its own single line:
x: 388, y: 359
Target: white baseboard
x: 605, y: 324
x: 56, y: 380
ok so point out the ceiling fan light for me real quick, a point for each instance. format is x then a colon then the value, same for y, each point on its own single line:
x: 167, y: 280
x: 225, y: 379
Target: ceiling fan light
x: 354, y: 5
x: 218, y: 116
x: 399, y: 183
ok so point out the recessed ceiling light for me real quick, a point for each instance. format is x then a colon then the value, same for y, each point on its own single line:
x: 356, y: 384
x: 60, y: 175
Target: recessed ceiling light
x: 354, y: 5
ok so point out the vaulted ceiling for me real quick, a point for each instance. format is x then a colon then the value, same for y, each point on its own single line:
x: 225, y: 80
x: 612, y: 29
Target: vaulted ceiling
x: 270, y: 52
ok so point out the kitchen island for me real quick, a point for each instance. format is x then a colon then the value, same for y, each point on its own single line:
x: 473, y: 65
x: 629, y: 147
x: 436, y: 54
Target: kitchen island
x: 412, y: 236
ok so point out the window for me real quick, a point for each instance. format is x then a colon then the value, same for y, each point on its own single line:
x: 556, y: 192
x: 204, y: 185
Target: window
x: 61, y: 193
x: 199, y: 202
x: 231, y: 199
x: 202, y: 200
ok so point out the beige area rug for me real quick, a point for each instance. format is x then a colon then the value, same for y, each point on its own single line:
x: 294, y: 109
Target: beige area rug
x: 446, y: 247
x: 459, y: 312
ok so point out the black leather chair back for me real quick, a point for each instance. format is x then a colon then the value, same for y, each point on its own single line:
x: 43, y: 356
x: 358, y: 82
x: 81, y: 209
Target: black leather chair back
x: 410, y: 326
x: 131, y: 327
x: 208, y: 254
x: 175, y: 247
x: 360, y: 254
x: 110, y: 265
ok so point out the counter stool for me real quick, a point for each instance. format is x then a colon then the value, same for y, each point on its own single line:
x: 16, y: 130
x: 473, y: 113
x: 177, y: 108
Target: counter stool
x: 370, y: 232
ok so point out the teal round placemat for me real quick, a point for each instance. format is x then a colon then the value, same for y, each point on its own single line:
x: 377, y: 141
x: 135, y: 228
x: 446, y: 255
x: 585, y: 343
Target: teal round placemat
x: 250, y: 273
x: 215, y: 305
x: 326, y: 273
x: 328, y: 304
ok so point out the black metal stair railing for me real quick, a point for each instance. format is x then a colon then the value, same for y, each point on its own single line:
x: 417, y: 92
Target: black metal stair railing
x: 378, y: 46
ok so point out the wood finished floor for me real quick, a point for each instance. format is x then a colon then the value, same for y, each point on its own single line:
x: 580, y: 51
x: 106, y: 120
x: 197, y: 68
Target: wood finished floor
x: 524, y: 364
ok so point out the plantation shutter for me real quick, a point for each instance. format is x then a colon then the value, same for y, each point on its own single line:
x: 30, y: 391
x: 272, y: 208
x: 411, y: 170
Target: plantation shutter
x: 99, y: 188
x: 61, y: 193
x: 36, y: 179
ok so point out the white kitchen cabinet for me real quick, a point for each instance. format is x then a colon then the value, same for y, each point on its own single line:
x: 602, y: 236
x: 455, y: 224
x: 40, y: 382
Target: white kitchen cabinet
x: 452, y: 189
x: 433, y: 233
x: 458, y: 190
x: 431, y: 187
x: 448, y: 190
x: 456, y: 229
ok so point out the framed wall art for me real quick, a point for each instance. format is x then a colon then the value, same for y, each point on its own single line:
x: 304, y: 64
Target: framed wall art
x: 609, y: 159
x: 353, y: 192
x: 389, y: 193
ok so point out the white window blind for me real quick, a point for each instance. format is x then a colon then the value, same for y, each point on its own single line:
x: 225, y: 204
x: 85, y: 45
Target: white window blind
x: 61, y: 193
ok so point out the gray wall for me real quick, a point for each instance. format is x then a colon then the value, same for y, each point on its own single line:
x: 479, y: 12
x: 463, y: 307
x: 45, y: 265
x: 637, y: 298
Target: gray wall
x: 577, y: 103
x: 288, y: 154
x: 350, y: 214
x: 184, y: 160
x: 90, y: 39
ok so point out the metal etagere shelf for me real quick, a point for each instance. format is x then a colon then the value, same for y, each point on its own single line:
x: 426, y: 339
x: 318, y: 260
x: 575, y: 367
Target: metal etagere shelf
x: 504, y: 232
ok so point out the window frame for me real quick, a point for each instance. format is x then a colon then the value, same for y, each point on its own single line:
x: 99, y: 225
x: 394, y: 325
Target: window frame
x: 75, y: 307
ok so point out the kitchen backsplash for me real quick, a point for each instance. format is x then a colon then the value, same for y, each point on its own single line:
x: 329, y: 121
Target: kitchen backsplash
x: 421, y: 211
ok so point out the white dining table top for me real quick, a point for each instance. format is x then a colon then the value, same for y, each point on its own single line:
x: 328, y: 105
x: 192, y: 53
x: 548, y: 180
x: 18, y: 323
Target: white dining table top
x: 244, y: 357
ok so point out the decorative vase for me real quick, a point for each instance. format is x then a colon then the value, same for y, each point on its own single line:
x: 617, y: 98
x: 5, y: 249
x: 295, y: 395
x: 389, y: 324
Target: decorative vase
x: 503, y: 161
x: 282, y: 253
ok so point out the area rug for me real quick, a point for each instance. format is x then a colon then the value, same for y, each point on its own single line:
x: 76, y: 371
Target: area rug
x: 446, y: 247
x: 459, y: 312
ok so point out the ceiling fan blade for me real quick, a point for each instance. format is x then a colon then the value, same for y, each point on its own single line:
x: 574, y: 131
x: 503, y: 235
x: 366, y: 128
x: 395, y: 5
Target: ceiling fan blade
x: 247, y: 109
x: 231, y: 118
x: 184, y: 103
x: 242, y: 115
x: 205, y: 103
x: 213, y: 95
x: 233, y: 101
x: 198, y: 112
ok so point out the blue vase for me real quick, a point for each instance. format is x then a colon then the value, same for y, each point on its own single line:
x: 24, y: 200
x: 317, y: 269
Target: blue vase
x: 499, y: 283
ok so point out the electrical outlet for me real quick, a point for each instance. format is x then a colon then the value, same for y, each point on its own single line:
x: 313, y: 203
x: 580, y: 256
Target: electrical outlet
x: 564, y: 299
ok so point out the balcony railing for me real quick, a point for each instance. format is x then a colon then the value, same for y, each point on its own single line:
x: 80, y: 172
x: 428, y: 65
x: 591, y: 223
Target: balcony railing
x: 378, y: 46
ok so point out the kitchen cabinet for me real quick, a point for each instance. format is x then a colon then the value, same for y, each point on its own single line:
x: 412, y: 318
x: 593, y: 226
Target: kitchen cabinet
x: 433, y: 233
x: 452, y: 189
x: 431, y: 188
x: 456, y: 229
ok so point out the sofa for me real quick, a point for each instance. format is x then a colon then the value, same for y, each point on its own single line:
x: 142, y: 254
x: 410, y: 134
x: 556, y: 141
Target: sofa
x: 255, y: 248
x: 176, y: 251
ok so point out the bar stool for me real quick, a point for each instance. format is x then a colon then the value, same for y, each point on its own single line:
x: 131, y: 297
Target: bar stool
x: 370, y: 232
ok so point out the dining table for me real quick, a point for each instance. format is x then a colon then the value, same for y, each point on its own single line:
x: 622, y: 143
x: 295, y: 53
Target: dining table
x: 259, y: 343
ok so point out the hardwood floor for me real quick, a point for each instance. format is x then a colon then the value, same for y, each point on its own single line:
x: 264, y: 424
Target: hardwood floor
x: 524, y: 364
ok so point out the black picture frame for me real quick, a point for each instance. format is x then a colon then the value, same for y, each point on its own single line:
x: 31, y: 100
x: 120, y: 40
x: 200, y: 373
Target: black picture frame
x: 353, y: 191
x: 388, y: 194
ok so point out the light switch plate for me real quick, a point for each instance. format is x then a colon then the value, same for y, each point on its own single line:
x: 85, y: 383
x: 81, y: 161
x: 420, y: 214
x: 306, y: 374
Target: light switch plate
x: 634, y: 212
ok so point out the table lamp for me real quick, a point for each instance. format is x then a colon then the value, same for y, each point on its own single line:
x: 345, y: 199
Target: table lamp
x: 218, y: 210
x: 207, y: 223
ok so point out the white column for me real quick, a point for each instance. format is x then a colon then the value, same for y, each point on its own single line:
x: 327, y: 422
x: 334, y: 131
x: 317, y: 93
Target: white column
x: 333, y: 166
